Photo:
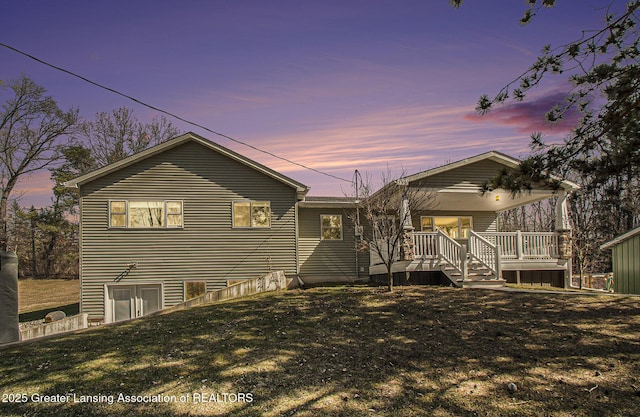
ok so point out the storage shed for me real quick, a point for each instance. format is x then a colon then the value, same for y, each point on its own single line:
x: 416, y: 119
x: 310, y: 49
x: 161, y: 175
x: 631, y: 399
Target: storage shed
x: 626, y: 261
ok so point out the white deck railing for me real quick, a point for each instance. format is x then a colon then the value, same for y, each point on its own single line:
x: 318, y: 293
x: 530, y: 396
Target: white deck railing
x: 425, y: 245
x: 485, y: 252
x: 513, y: 245
x: 525, y: 245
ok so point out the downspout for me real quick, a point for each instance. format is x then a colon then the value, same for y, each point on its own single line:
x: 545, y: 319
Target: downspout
x: 297, y: 240
x: 357, y: 228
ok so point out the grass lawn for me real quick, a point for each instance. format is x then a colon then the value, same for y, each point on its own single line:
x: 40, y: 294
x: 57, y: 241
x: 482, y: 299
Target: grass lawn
x: 346, y: 351
x: 37, y: 297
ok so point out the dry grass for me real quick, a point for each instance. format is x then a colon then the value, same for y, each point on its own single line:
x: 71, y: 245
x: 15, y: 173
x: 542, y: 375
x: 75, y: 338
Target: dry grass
x: 419, y: 351
x: 38, y: 294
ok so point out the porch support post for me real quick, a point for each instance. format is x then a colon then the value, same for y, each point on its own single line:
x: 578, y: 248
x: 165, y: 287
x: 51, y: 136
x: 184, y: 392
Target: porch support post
x: 407, y: 252
x: 463, y: 262
x: 562, y: 212
x: 498, y: 262
x: 563, y: 230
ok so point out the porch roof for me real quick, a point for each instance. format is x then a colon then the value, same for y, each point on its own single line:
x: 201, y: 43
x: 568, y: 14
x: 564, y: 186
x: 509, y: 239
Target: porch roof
x: 495, y: 201
x: 457, y: 185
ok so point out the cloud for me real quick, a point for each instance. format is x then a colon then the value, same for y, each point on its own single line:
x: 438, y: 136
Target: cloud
x: 528, y: 116
x: 34, y: 189
x: 403, y: 139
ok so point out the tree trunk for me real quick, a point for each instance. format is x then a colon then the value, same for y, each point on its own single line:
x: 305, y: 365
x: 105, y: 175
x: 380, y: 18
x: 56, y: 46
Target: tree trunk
x: 34, y: 260
x: 581, y: 267
x: 3, y: 220
x: 48, y: 256
x: 4, y: 200
x: 390, y: 279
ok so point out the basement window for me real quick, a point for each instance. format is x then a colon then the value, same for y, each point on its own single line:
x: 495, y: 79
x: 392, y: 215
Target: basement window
x: 193, y: 289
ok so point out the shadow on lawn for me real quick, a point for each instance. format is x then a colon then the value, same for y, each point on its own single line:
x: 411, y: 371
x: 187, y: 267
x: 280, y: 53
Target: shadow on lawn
x: 69, y: 310
x: 351, y: 352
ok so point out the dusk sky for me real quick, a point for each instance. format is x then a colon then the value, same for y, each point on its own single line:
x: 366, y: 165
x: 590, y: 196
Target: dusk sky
x: 335, y: 85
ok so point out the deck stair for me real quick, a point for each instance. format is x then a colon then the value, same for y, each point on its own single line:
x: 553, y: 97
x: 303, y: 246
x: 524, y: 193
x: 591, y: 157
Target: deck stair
x: 478, y: 276
x: 476, y: 267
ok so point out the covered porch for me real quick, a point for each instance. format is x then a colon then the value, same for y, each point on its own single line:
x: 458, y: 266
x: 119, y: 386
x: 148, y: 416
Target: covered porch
x: 459, y: 233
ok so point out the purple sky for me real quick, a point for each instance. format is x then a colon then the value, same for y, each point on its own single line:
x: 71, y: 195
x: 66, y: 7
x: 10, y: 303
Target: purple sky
x: 335, y: 85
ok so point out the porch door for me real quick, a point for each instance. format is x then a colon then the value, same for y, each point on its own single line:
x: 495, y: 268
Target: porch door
x: 123, y: 303
x: 148, y: 299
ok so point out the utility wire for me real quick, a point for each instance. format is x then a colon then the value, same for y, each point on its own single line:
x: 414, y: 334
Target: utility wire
x: 142, y: 103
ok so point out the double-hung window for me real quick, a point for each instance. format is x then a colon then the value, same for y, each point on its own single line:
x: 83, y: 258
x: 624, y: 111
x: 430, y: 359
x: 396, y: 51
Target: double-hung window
x: 145, y: 214
x: 331, y: 227
x: 247, y: 214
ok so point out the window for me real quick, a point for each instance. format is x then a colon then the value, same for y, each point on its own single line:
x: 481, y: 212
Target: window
x: 454, y: 227
x: 331, y: 227
x: 145, y: 214
x: 174, y: 213
x: 193, y: 289
x: 118, y: 213
x: 251, y: 214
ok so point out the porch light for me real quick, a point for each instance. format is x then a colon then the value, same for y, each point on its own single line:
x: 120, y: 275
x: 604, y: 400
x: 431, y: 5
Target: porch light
x: 497, y: 197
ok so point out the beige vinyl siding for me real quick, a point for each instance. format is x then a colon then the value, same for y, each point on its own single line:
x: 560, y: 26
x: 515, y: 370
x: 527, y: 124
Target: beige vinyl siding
x: 468, y: 176
x: 207, y: 247
x: 327, y: 260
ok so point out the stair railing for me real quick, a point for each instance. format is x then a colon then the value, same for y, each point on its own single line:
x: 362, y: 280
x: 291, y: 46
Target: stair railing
x: 452, y: 252
x: 485, y: 253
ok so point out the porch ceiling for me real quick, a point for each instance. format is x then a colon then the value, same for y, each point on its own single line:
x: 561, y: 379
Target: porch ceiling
x: 495, y: 201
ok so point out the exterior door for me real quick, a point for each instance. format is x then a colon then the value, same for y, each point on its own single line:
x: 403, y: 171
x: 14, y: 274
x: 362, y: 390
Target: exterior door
x: 148, y: 300
x: 129, y: 301
x: 123, y: 303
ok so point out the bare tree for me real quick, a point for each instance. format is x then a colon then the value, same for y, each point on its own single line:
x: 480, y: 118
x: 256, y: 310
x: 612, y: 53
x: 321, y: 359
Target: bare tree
x: 534, y: 217
x: 116, y: 135
x: 387, y: 213
x: 30, y: 125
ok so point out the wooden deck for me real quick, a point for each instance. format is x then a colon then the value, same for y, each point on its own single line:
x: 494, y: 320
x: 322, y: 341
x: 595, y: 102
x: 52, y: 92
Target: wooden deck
x: 479, y: 260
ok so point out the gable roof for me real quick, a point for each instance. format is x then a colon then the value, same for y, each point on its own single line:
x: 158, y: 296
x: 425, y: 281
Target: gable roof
x: 300, y: 188
x: 631, y: 233
x: 494, y: 156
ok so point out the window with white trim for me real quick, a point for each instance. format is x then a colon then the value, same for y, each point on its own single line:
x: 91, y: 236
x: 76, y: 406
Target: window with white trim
x: 331, y: 227
x: 145, y: 214
x: 455, y: 227
x: 248, y: 214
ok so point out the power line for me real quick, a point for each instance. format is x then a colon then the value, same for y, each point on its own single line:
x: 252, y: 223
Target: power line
x: 142, y: 103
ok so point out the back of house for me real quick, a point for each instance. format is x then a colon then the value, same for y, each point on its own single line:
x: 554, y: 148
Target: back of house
x: 177, y: 220
x: 189, y: 216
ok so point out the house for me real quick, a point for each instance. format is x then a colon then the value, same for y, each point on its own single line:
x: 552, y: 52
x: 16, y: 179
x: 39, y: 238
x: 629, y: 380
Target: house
x: 189, y: 216
x: 625, y: 251
x: 459, y: 236
x: 177, y: 220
